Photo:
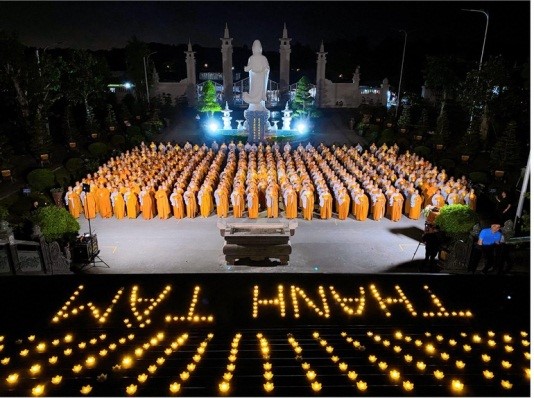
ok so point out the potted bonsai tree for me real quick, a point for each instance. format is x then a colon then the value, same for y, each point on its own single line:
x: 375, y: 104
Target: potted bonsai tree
x: 469, y: 144
x: 111, y: 120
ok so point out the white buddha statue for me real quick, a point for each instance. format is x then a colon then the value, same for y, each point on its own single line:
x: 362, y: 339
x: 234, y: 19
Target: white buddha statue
x: 258, y: 72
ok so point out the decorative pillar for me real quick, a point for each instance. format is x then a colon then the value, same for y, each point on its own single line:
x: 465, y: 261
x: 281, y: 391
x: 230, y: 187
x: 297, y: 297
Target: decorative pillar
x: 190, y: 62
x: 228, y: 80
x: 285, y: 52
x: 384, y: 88
x: 320, y: 76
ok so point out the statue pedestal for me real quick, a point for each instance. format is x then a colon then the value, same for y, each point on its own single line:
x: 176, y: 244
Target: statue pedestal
x: 257, y: 125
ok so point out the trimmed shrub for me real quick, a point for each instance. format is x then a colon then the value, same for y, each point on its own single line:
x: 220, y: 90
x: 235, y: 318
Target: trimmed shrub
x: 56, y: 223
x: 118, y: 140
x: 478, y: 177
x: 74, y: 165
x: 62, y: 177
x: 98, y: 149
x: 387, y: 137
x: 456, y: 220
x: 136, y: 140
x: 447, y: 164
x: 133, y: 130
x: 423, y: 151
x: 41, y: 179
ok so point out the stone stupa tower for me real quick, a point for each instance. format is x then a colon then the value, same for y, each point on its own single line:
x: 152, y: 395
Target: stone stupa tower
x: 285, y: 51
x: 190, y: 63
x: 320, y: 76
x: 228, y: 80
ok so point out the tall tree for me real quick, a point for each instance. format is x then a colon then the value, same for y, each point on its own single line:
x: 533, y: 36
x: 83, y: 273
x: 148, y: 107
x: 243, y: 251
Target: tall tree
x: 303, y: 102
x: 136, y: 51
x: 208, y: 101
x: 442, y: 74
x: 85, y: 80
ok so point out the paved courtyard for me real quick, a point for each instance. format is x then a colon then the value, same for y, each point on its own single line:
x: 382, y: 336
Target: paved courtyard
x: 195, y: 246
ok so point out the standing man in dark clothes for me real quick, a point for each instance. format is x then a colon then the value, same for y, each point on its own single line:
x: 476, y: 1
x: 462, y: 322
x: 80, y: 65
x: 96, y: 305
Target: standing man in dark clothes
x: 431, y: 239
x: 504, y: 207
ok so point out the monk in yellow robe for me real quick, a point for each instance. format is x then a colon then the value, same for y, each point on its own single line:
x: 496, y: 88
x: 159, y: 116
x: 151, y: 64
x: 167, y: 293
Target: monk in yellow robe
x: 343, y: 204
x: 119, y: 206
x: 162, y: 203
x: 132, y: 205
x: 396, y: 201
x: 221, y: 201
x: 190, y: 203
x: 360, y: 206
x: 325, y: 204
x: 238, y: 201
x: 429, y: 193
x: 104, y: 202
x: 471, y: 200
x: 146, y: 203
x: 72, y: 200
x: 271, y: 200
x: 89, y: 204
x: 415, y: 206
x: 308, y: 202
x: 379, y: 207
x: 290, y: 203
x: 253, y: 202
x: 205, y: 200
x: 438, y: 200
x: 177, y: 202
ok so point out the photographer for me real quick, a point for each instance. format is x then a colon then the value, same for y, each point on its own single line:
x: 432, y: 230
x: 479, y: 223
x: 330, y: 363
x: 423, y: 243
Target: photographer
x: 432, y: 241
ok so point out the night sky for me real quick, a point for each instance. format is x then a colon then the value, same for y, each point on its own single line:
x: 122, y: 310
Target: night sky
x: 104, y: 25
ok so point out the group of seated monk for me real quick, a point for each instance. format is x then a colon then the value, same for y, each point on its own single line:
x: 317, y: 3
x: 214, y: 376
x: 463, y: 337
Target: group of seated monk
x: 166, y: 180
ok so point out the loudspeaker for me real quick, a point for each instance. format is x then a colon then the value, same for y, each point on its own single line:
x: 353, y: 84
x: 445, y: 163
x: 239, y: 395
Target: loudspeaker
x: 86, y: 187
x: 85, y: 249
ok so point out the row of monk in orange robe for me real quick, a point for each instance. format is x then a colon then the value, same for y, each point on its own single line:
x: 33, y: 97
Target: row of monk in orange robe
x: 195, y: 181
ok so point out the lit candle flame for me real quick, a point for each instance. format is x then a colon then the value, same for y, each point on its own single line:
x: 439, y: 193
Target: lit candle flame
x: 268, y: 386
x: 486, y: 358
x: 174, y: 387
x: 438, y: 374
x: 12, y: 378
x: 382, y: 365
x: 56, y: 379
x: 77, y: 368
x: 131, y: 389
x: 38, y: 390
x: 86, y: 389
x: 460, y: 364
x: 142, y: 377
x: 408, y: 385
x: 506, y: 364
x: 35, y: 369
x: 421, y: 365
x: 488, y: 374
x: 310, y: 374
x: 316, y: 386
x: 457, y: 385
x: 224, y: 387
x: 184, y: 376
x: 394, y: 374
x: 408, y: 358
x: 362, y: 385
x: 352, y: 375
x: 506, y: 384
x: 343, y: 366
x: 152, y: 368
x: 227, y: 376
x: 372, y: 358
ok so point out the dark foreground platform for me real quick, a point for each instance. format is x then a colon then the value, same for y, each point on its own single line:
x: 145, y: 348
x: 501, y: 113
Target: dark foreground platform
x: 262, y: 335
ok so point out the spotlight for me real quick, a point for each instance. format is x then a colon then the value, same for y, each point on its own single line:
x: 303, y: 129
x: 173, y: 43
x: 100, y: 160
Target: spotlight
x: 302, y: 127
x: 213, y: 126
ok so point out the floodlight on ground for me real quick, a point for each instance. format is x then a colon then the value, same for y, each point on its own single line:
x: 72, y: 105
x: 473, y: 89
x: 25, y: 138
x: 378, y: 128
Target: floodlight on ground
x: 128, y: 85
x: 302, y: 127
x: 213, y: 126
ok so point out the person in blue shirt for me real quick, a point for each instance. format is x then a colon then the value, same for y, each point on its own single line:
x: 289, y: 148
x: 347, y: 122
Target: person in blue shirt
x: 488, y: 240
